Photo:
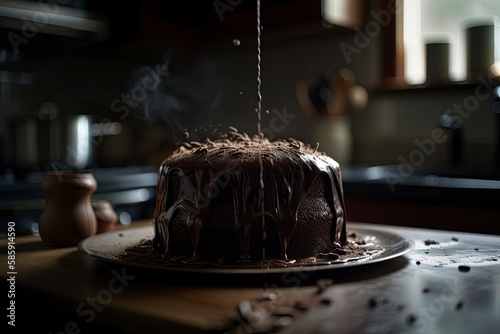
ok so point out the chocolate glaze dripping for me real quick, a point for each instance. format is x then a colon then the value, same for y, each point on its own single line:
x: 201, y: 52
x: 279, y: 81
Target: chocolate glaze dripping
x: 262, y: 206
x: 290, y: 169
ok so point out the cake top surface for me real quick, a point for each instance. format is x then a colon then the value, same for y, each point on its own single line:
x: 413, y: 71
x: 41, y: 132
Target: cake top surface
x: 239, y: 146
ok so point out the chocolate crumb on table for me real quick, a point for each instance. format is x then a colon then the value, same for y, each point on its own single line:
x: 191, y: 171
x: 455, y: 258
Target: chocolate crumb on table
x: 463, y: 268
x: 411, y: 319
x: 325, y: 301
x: 323, y: 284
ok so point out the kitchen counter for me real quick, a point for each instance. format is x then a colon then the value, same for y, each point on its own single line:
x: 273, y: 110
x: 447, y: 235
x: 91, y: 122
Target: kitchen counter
x: 436, y: 196
x: 432, y: 182
x: 449, y: 283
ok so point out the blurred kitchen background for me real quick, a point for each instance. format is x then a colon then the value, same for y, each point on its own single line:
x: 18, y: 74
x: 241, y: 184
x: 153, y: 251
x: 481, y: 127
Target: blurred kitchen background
x: 403, y: 93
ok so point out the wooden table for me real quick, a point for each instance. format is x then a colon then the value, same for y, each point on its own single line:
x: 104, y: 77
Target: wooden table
x: 450, y: 283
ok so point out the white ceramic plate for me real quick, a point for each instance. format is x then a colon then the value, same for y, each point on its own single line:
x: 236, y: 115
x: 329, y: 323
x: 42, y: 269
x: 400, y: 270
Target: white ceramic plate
x: 111, y: 246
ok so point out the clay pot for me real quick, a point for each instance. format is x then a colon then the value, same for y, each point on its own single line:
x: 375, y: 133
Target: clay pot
x: 68, y: 216
x: 106, y: 217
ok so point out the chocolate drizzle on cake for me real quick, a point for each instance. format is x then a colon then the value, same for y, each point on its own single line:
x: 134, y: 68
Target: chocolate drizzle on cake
x: 210, y: 204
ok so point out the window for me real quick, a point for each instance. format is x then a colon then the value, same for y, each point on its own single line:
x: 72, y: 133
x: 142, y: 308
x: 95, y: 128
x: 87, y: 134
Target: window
x: 446, y: 21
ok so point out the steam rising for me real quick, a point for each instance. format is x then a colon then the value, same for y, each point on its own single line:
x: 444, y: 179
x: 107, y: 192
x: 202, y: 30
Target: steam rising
x: 182, y: 92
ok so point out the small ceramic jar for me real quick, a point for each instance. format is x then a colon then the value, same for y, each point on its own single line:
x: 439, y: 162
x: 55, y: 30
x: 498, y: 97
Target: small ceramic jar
x: 68, y: 216
x: 106, y: 217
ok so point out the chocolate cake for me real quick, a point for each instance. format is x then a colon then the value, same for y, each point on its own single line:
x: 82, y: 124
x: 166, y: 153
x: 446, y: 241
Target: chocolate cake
x: 241, y: 199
